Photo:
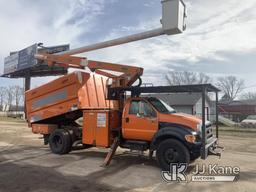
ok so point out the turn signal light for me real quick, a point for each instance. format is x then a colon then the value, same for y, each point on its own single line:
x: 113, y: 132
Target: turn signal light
x: 190, y: 138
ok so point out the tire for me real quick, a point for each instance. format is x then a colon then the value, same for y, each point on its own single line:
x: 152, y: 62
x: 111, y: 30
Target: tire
x: 60, y: 141
x: 171, y: 151
x: 72, y: 136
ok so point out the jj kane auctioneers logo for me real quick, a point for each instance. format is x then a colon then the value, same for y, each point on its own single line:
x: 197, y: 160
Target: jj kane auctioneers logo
x: 203, y: 173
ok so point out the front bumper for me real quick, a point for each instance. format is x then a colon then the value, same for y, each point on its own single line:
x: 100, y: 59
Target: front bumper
x: 197, y: 149
x: 211, y: 148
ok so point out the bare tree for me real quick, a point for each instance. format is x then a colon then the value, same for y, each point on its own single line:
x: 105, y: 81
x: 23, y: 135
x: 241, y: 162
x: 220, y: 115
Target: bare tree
x: 17, y: 95
x: 2, y: 96
x: 186, y: 77
x: 203, y: 78
x: 9, y: 95
x: 249, y: 96
x: 231, y: 86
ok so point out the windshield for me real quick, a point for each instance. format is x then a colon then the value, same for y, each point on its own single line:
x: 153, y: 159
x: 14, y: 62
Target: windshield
x: 160, y: 105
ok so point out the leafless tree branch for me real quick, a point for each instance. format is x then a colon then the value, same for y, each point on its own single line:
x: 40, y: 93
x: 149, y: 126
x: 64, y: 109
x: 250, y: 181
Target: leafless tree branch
x: 186, y: 78
x: 231, y: 86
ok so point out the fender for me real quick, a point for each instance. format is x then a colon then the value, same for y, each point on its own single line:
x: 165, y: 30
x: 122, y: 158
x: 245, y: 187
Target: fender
x: 167, y: 130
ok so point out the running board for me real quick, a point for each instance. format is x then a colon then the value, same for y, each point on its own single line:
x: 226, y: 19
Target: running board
x: 111, y: 152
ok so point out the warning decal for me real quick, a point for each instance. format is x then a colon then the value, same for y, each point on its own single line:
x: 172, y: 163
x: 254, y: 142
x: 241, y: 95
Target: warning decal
x: 101, y: 119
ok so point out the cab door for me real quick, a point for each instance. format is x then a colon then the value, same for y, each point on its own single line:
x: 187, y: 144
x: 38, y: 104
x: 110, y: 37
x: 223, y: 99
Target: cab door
x: 140, y: 121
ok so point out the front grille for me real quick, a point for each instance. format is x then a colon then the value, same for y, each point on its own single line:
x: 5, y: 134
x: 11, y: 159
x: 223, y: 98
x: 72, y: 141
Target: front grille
x: 208, y: 131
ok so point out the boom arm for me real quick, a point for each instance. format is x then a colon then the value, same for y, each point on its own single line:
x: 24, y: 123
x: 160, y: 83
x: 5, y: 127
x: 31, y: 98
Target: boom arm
x: 129, y: 74
x: 173, y: 22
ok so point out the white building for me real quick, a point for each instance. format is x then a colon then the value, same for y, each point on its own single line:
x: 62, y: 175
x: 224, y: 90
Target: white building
x: 190, y: 103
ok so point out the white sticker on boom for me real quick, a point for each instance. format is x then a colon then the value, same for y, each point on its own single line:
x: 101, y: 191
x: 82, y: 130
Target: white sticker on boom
x: 101, y: 119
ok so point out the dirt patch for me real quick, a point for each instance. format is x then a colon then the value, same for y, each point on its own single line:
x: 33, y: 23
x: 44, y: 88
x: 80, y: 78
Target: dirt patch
x: 27, y: 165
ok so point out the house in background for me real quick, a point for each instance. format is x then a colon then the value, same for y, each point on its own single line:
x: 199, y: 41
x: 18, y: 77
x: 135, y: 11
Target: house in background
x: 237, y: 110
x: 190, y: 103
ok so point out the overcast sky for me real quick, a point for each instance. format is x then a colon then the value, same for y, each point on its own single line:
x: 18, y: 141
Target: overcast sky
x: 219, y: 40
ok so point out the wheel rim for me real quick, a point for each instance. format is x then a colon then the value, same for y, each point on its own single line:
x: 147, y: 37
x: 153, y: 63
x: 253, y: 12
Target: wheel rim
x: 57, y: 141
x: 171, y: 156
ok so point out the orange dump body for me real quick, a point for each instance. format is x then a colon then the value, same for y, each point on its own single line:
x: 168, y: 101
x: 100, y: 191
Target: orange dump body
x: 66, y: 95
x: 43, y: 128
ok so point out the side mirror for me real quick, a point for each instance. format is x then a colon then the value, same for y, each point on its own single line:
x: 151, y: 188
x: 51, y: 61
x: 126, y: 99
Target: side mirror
x: 153, y: 114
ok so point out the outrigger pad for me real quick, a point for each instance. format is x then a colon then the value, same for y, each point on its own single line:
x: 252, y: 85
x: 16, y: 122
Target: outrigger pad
x: 216, y: 151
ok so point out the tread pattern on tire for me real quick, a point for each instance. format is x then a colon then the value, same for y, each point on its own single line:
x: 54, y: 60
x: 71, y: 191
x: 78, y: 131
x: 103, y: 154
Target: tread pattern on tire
x: 66, y: 141
x: 184, y: 153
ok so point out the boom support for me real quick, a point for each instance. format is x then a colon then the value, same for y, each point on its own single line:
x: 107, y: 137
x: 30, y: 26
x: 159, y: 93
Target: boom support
x: 129, y: 74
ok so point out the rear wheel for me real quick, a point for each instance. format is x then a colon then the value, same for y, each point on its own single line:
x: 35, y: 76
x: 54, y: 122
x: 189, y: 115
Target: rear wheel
x: 60, y: 141
x: 171, y: 151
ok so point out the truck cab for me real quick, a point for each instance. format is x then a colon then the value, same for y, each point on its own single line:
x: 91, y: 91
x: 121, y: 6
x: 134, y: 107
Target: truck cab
x: 176, y: 137
x: 144, y: 116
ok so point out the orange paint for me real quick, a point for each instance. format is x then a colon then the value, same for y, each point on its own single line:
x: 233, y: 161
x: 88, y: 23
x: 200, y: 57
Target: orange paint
x: 43, y: 128
x: 144, y: 128
x: 97, y: 125
x: 75, y: 91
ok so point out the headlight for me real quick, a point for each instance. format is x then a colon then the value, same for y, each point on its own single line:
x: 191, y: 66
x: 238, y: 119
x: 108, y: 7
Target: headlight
x: 190, y: 138
x: 199, y: 127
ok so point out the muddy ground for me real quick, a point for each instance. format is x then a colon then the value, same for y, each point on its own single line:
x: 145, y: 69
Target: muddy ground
x: 27, y: 165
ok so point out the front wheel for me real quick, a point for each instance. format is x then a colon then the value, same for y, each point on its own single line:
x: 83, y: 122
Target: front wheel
x: 171, y: 151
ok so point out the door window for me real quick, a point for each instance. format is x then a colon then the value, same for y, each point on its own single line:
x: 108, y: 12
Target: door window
x: 141, y: 108
x: 134, y: 108
x: 147, y: 110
